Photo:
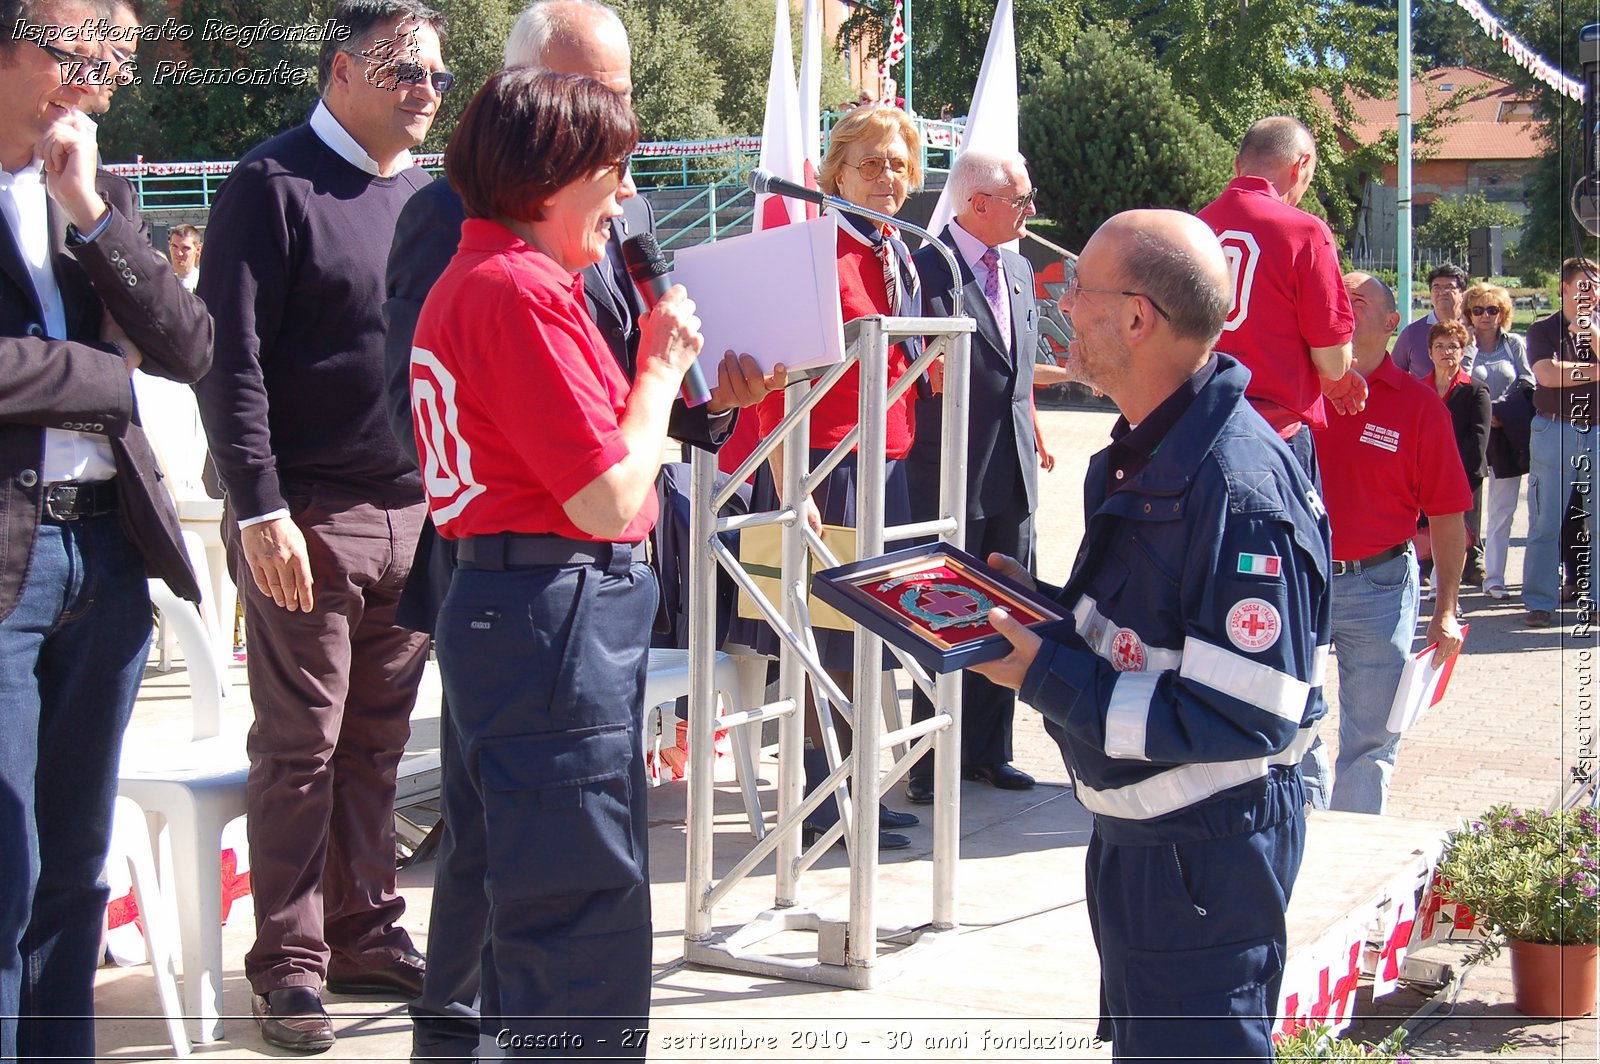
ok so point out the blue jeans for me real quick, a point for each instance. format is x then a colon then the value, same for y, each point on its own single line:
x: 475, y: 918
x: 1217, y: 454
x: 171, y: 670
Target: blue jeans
x: 1561, y: 456
x: 72, y: 653
x: 1374, y: 623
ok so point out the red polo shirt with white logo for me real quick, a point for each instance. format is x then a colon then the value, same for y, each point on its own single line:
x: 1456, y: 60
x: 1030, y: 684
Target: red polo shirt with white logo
x: 516, y: 398
x: 1387, y: 465
x: 1288, y: 297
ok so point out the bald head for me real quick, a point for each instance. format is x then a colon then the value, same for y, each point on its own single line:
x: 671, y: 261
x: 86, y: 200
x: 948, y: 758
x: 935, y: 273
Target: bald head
x: 572, y: 37
x: 1175, y: 260
x: 1372, y: 303
x: 1282, y: 150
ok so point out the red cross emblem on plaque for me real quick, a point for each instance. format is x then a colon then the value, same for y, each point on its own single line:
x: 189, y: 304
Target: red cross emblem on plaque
x: 948, y: 604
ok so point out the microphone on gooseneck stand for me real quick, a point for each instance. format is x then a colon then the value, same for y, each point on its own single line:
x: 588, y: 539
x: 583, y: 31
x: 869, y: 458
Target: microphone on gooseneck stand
x: 649, y: 270
x: 765, y: 181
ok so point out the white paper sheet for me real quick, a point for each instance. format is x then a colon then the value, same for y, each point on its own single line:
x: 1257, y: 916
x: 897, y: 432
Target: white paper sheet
x: 1420, y: 687
x: 773, y: 295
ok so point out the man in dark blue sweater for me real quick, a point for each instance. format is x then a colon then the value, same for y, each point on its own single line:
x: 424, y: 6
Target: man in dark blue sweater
x: 323, y: 513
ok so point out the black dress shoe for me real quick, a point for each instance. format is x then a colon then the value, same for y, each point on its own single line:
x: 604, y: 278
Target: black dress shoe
x: 919, y: 790
x: 887, y: 840
x: 893, y: 818
x: 293, y: 1018
x: 1001, y: 774
x: 400, y: 979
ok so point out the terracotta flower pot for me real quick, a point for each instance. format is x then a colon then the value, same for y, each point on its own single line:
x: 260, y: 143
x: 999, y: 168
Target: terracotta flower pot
x: 1553, y: 980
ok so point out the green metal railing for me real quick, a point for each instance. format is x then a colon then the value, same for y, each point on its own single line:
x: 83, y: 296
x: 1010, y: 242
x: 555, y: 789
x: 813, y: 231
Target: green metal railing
x: 716, y: 168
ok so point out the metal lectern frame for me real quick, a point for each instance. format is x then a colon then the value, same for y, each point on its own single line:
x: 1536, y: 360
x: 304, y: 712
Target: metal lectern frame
x: 847, y: 953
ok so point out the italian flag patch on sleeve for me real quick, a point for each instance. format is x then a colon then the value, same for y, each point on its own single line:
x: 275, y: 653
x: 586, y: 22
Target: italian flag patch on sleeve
x: 1260, y: 565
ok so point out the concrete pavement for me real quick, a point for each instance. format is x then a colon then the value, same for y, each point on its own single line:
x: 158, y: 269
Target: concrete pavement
x: 1018, y: 981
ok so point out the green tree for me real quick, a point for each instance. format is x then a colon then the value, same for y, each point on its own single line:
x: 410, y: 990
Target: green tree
x: 1450, y: 220
x: 1104, y: 131
x: 948, y: 38
x: 161, y: 118
x: 1240, y: 60
x: 700, y: 66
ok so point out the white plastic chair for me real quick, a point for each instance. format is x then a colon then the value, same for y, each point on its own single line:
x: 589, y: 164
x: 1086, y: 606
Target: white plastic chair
x: 193, y: 794
x: 667, y: 680
x: 171, y: 419
x: 130, y: 842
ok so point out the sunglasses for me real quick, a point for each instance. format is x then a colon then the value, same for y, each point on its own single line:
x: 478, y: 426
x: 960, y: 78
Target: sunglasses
x: 409, y: 73
x: 118, y: 70
x: 871, y: 168
x: 1018, y: 203
x: 1486, y: 310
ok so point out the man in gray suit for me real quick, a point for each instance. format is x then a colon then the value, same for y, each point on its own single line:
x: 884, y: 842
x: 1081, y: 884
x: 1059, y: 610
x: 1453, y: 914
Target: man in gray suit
x: 993, y: 200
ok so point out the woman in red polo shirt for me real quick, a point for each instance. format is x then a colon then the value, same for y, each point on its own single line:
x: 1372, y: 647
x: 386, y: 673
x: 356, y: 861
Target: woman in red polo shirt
x: 539, y: 459
x: 873, y: 160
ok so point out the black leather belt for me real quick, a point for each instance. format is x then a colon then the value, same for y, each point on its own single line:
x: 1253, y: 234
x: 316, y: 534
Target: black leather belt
x: 1341, y: 568
x: 511, y: 550
x: 68, y: 500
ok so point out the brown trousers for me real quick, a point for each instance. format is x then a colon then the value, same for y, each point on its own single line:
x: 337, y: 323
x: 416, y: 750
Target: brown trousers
x: 333, y: 691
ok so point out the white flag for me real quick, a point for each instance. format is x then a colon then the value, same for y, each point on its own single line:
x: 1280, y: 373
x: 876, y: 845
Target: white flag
x: 783, y: 150
x: 992, y: 121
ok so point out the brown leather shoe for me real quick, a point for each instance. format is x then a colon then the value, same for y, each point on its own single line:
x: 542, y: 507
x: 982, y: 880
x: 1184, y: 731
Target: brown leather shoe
x: 401, y: 979
x: 292, y: 1017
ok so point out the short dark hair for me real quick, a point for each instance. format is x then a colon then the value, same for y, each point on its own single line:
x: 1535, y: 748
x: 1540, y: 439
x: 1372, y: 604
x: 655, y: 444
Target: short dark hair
x: 1577, y: 268
x: 1449, y: 269
x: 1453, y: 329
x: 527, y: 133
x: 365, y: 17
x: 185, y: 229
x: 1183, y: 285
x: 33, y: 12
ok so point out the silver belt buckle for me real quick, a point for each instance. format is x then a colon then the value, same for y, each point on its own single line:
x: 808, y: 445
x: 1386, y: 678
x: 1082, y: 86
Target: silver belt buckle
x: 49, y: 499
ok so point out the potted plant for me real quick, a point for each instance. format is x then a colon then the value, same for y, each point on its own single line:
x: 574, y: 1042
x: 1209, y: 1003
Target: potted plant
x: 1320, y: 1043
x: 1531, y: 879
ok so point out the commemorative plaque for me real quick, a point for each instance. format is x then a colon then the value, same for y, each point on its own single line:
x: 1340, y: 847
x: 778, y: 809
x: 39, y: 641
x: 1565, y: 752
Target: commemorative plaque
x: 933, y: 601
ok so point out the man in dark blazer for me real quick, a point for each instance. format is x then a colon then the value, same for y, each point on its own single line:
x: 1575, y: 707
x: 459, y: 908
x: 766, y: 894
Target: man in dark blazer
x: 84, y: 301
x: 992, y: 197
x: 568, y: 37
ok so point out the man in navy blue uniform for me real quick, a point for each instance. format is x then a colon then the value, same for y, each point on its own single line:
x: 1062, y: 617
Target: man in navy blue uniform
x: 1187, y: 682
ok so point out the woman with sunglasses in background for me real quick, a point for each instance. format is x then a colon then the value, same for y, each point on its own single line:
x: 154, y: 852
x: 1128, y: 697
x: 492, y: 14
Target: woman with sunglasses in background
x: 1501, y: 363
x: 873, y: 160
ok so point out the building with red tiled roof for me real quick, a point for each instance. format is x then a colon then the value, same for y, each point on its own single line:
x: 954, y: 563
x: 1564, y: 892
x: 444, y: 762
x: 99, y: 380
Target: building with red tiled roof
x: 1488, y: 144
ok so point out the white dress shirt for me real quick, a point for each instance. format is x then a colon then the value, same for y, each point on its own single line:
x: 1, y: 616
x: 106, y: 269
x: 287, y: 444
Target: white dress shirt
x: 972, y: 250
x: 67, y: 455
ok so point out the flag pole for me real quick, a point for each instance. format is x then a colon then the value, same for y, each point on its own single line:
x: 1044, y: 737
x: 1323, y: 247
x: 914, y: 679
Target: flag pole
x: 908, y: 56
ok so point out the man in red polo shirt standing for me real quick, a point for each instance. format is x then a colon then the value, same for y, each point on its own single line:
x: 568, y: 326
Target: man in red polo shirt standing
x: 1290, y: 322
x: 1380, y: 469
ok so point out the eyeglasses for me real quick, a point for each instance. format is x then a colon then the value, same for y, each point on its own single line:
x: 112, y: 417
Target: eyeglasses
x: 409, y: 73
x: 1446, y: 347
x: 1443, y: 290
x: 1486, y: 310
x: 871, y: 168
x: 1018, y: 203
x: 87, y: 68
x: 1074, y: 289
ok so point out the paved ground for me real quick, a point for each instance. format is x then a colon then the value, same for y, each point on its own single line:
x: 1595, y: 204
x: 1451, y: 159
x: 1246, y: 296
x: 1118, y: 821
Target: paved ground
x: 1022, y: 966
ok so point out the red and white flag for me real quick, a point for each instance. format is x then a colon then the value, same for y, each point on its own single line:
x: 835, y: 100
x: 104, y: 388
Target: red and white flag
x: 992, y: 121
x: 787, y: 128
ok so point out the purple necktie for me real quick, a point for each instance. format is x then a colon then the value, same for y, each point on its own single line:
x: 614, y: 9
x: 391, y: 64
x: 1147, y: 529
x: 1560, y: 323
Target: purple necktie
x: 994, y: 290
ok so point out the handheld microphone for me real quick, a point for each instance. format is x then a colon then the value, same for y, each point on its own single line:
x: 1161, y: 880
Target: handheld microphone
x: 649, y: 270
x: 765, y: 181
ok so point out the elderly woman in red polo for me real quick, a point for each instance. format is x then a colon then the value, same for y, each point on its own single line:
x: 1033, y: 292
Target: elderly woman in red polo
x: 540, y: 462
